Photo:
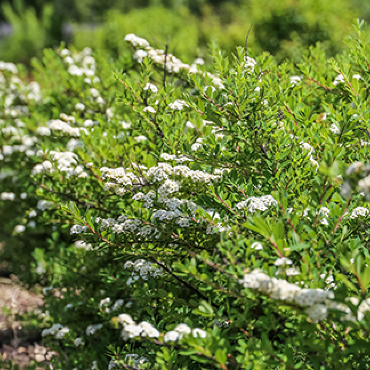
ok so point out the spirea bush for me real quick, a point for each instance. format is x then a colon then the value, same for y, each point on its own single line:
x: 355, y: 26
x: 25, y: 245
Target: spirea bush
x: 185, y: 216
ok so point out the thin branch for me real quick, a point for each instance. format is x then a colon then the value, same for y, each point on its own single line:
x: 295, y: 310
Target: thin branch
x: 341, y: 217
x: 165, y: 65
x: 246, y: 41
x: 317, y: 82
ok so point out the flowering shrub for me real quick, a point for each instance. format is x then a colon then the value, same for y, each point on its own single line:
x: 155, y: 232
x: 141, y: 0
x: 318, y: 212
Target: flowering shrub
x: 187, y: 219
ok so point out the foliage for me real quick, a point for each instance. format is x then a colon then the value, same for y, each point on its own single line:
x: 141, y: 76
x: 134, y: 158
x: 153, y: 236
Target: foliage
x: 282, y: 27
x: 188, y: 216
x: 30, y: 34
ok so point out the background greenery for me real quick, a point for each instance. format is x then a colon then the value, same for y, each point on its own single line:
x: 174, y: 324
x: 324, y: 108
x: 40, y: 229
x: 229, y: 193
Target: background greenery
x: 282, y: 27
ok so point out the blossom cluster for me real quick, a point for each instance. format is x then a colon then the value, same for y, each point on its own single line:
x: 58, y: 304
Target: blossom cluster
x: 315, y: 302
x: 57, y: 330
x: 142, y: 268
x: 158, y: 56
x: 65, y: 162
x: 257, y: 203
x: 145, y: 329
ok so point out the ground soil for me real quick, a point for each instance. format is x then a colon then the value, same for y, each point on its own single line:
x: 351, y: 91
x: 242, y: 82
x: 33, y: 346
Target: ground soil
x: 19, y: 344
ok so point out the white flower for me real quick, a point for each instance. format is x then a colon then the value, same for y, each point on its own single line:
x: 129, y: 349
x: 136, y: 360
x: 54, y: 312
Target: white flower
x: 149, y: 109
x: 317, y: 312
x: 78, y: 229
x: 199, y: 332
x: 178, y: 105
x: 43, y: 131
x: 61, y: 333
x: 92, y: 329
x: 125, y: 319
x: 139, y: 55
x: 152, y: 87
x: 307, y: 147
x: 140, y: 138
x: 295, y: 80
x: 81, y: 244
x: 7, y: 196
x: 338, y: 80
x: 171, y: 336
x: 334, y: 129
x: 355, y: 167
x: 292, y: 271
x: 283, y: 261
x: 149, y: 330
x: 100, y: 100
x: 118, y: 303
x: 182, y: 329
x: 359, y: 211
x: 79, y: 342
x: 257, y: 246
x: 47, y: 290
x: 104, y: 302
x: 364, y: 184
x: 19, y: 229
x: 199, y: 61
x: 136, y: 41
x: 80, y: 106
x: 189, y: 124
x: 249, y: 64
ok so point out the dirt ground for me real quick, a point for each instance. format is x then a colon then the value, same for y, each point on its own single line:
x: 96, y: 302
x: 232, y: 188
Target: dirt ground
x: 20, y: 346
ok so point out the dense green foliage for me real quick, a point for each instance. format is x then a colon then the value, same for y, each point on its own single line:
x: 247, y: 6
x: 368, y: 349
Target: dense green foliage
x: 223, y: 207
x: 282, y: 27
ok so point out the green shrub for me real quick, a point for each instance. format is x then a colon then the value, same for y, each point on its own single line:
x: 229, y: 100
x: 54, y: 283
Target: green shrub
x: 187, y: 219
x: 30, y: 34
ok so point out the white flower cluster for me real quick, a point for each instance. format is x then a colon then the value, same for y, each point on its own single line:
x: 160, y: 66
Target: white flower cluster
x: 132, y: 330
x: 178, y: 105
x: 181, y: 330
x: 254, y: 203
x: 57, y: 329
x: 143, y: 269
x: 323, y: 212
x: 96, y: 97
x: 364, y: 185
x: 81, y: 244
x: 164, y: 170
x: 19, y: 229
x: 145, y: 329
x: 93, y: 328
x: 334, y: 129
x: 295, y: 80
x: 27, y: 145
x: 249, y: 64
x: 315, y: 302
x: 9, y: 67
x: 359, y: 212
x: 177, y: 158
x: 43, y: 205
x: 60, y: 126
x: 84, y: 59
x: 105, y: 303
x: 7, y: 196
x: 355, y: 167
x: 338, y: 80
x: 322, y: 215
x: 159, y: 173
x: 158, y: 56
x: 121, y: 225
x: 79, y: 342
x: 78, y: 229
